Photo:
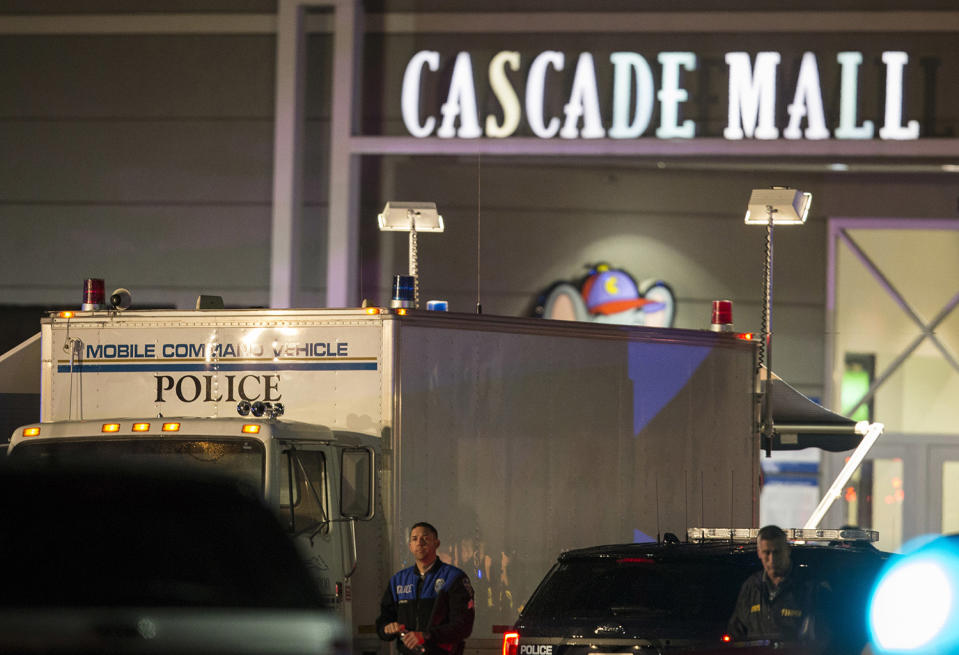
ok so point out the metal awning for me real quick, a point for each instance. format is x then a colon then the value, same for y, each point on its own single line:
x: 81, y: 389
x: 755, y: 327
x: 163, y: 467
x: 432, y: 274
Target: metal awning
x: 20, y: 367
x: 799, y: 422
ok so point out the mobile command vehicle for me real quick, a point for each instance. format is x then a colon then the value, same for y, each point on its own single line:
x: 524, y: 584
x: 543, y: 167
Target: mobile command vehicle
x: 516, y: 437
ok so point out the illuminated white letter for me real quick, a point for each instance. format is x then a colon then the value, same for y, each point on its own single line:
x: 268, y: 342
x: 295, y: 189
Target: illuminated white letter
x: 623, y: 62
x: 893, y: 127
x: 583, y: 101
x: 670, y: 95
x: 504, y: 93
x: 460, y: 101
x: 411, y: 92
x: 849, y: 97
x: 807, y: 102
x: 752, y: 96
x: 536, y: 91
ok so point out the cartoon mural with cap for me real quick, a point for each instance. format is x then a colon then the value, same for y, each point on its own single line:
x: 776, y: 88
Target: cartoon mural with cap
x: 608, y: 295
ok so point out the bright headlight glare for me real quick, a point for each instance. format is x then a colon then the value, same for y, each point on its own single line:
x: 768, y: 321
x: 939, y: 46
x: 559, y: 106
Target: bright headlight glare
x: 911, y: 605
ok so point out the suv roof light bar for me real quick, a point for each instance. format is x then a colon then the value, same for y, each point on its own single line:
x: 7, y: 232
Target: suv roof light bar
x: 793, y: 534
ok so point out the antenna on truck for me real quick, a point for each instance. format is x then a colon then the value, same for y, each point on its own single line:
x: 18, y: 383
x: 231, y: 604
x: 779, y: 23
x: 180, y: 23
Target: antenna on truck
x: 732, y: 494
x: 658, y: 531
x: 702, y: 498
x: 479, y: 196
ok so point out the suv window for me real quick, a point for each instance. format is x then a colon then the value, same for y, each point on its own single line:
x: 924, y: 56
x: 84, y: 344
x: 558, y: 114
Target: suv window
x: 641, y: 588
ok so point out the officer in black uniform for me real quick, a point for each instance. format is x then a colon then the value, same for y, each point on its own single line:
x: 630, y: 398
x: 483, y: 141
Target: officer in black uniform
x: 778, y: 603
x: 428, y: 606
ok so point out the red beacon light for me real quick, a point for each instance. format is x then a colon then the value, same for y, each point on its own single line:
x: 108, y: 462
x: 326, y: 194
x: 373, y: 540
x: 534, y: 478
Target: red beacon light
x: 722, y: 319
x: 94, y: 296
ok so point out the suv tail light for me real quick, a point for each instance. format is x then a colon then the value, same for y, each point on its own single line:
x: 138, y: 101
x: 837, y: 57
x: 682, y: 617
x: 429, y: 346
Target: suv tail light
x: 511, y: 643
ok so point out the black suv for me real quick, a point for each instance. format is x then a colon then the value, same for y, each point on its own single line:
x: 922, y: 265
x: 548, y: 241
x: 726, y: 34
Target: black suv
x: 678, y: 596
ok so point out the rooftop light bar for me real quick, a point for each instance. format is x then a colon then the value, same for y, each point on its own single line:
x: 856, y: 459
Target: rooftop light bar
x: 793, y: 534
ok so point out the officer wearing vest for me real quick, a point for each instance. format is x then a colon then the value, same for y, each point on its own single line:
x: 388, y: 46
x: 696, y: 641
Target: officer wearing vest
x: 428, y: 606
x: 778, y: 603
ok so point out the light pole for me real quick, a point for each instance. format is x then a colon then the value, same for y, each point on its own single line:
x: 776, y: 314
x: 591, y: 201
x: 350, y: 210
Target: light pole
x: 773, y: 206
x: 411, y: 217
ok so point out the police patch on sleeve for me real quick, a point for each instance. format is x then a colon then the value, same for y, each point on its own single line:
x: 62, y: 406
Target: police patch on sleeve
x: 469, y: 588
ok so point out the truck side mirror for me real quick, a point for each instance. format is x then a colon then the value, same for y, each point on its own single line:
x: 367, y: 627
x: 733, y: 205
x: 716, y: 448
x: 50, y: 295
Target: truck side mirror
x: 356, y: 483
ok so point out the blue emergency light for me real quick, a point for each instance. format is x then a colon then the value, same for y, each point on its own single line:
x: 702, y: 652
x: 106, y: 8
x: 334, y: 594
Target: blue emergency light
x: 404, y: 290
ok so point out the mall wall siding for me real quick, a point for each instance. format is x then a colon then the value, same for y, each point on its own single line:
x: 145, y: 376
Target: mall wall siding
x: 148, y: 160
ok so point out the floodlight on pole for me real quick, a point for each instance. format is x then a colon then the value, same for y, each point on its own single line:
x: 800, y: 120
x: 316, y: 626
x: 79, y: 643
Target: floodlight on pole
x: 776, y: 205
x: 789, y: 205
x: 411, y: 217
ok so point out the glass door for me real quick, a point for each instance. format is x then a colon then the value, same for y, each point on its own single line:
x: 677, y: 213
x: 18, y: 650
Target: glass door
x: 876, y: 494
x: 944, y: 487
x: 892, y: 344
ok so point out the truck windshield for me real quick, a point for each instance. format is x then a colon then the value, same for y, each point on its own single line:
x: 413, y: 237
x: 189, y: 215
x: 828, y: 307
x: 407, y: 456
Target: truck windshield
x: 242, y: 459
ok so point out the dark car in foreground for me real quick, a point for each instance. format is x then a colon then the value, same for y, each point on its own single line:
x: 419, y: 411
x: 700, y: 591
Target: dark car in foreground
x: 678, y: 596
x: 102, y: 558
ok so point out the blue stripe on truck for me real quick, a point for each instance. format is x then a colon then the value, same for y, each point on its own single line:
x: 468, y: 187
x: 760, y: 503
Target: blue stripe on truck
x: 279, y: 366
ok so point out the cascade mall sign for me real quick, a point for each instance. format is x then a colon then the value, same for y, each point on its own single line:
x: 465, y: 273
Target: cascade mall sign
x: 752, y: 110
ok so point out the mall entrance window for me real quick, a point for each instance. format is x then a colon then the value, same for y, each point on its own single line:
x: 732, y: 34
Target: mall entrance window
x: 893, y: 357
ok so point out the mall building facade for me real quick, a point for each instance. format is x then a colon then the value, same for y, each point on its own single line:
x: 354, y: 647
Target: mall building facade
x: 245, y: 147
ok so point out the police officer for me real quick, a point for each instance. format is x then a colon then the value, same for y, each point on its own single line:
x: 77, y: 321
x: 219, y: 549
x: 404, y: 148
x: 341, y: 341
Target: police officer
x: 778, y: 603
x: 428, y: 606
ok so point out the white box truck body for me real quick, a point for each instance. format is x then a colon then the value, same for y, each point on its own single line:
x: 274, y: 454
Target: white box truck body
x: 517, y: 438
